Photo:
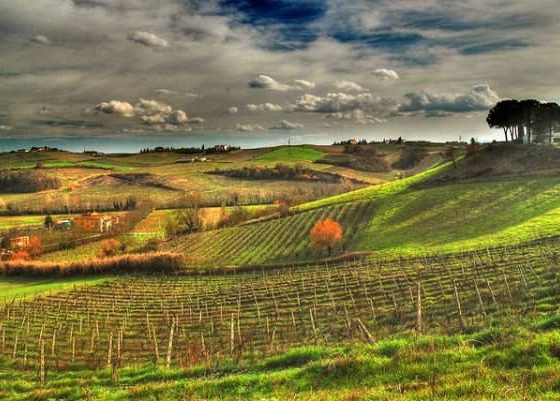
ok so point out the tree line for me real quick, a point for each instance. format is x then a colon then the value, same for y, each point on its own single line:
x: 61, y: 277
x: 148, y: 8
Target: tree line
x: 26, y: 182
x: 526, y: 121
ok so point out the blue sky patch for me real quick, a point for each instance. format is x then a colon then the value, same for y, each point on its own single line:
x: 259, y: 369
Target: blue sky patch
x: 287, y: 25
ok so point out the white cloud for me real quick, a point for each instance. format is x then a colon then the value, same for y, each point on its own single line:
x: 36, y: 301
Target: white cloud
x: 342, y: 102
x: 288, y: 125
x: 166, y: 92
x: 233, y: 110
x: 177, y: 117
x: 358, y: 116
x: 125, y: 109
x: 215, y: 55
x: 148, y: 39
x: 41, y: 39
x: 478, y: 98
x: 267, y: 82
x: 171, y: 128
x: 264, y: 107
x: 348, y: 86
x: 153, y: 119
x: 248, y: 127
x: 302, y: 84
x: 385, y: 74
x: 171, y: 117
x: 150, y: 111
x: 151, y: 107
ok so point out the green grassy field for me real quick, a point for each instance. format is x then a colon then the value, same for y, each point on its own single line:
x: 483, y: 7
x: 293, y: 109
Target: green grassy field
x: 291, y: 154
x: 105, y: 165
x: 15, y: 287
x: 296, y: 333
x: 498, y: 364
x: 8, y: 222
x: 55, y: 161
x: 376, y: 191
x: 464, y: 217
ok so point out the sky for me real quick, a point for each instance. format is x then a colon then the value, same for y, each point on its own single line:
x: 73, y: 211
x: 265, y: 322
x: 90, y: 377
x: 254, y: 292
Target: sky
x: 298, y: 70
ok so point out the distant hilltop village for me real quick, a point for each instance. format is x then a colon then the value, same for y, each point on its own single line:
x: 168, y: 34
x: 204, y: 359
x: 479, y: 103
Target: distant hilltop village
x: 38, y: 149
x: 399, y: 141
x: 202, y: 149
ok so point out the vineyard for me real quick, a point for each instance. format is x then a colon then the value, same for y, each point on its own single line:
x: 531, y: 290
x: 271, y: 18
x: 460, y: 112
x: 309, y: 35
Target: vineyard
x: 285, y: 239
x: 188, y: 321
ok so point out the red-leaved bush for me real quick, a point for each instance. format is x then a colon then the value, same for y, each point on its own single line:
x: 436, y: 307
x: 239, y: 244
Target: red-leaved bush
x: 326, y: 234
x: 20, y: 255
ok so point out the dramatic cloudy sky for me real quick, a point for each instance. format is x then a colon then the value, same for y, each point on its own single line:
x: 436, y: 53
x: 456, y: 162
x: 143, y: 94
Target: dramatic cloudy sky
x: 289, y: 68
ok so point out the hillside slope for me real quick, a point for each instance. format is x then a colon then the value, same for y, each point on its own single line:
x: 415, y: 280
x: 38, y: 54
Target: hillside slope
x: 500, y: 161
x: 376, y: 191
x: 463, y: 216
x: 281, y: 240
x: 447, y: 208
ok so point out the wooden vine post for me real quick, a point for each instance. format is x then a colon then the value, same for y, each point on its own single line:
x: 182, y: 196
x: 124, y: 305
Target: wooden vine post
x: 42, y: 375
x: 418, y: 308
x: 170, y: 344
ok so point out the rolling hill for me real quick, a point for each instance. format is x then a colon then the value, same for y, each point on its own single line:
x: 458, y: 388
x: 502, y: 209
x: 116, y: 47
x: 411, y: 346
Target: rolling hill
x: 448, y: 208
x: 283, y: 239
x: 454, y: 301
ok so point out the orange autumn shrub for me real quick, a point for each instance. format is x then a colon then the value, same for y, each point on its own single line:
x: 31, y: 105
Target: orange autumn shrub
x: 326, y: 234
x: 109, y: 247
x: 21, y: 255
x: 35, y: 247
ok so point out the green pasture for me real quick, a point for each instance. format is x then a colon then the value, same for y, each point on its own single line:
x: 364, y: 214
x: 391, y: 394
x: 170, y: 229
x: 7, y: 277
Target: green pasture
x: 291, y: 154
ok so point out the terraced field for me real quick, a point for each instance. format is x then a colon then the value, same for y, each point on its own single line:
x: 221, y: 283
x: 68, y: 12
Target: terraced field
x: 10, y: 222
x: 90, y: 250
x: 285, y: 239
x: 188, y: 321
x: 154, y: 224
